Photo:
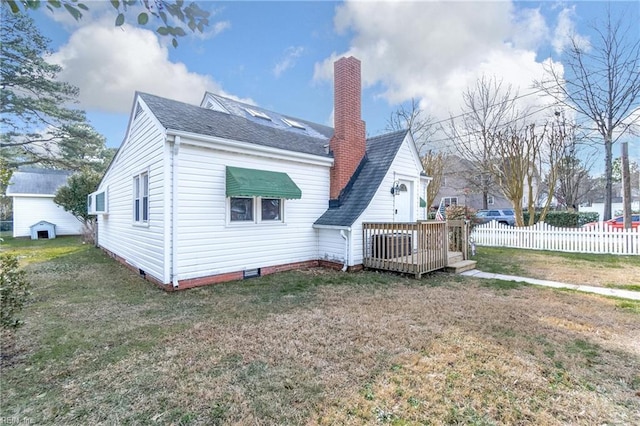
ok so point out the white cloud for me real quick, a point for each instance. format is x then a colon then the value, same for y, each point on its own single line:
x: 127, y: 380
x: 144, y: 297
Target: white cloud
x: 433, y: 51
x: 530, y: 29
x: 565, y: 32
x: 291, y: 54
x: 220, y: 26
x: 109, y: 64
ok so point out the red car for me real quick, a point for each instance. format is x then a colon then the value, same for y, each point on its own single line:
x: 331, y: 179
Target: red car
x: 618, y: 222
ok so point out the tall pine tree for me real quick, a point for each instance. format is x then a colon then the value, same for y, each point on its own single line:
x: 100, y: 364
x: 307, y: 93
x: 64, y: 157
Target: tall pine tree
x: 37, y: 124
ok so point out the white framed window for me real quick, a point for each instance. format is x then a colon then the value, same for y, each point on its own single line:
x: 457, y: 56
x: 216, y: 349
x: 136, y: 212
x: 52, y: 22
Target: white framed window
x: 255, y: 210
x: 450, y: 201
x: 141, y: 198
x: 491, y: 200
x: 271, y: 209
x: 241, y: 209
x: 97, y: 202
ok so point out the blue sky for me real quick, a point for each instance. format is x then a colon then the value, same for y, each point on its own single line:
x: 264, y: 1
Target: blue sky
x: 279, y: 55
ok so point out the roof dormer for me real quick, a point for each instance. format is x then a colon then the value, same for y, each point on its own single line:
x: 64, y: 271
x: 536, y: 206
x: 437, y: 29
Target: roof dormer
x: 210, y: 102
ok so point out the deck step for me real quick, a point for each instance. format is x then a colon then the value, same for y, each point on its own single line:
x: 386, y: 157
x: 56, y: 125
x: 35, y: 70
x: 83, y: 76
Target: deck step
x: 454, y: 257
x: 461, y: 266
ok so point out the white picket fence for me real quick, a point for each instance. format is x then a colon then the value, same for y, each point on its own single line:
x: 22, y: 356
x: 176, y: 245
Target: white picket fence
x: 600, y: 239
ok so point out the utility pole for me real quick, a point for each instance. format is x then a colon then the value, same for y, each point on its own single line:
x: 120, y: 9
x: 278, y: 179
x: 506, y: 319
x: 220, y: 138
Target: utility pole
x: 626, y: 186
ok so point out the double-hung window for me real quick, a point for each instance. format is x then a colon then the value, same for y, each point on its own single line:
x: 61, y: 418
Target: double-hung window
x: 141, y: 198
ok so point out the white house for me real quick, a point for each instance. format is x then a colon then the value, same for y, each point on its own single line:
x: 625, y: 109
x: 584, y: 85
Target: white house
x: 33, y: 191
x: 225, y: 190
x: 617, y: 207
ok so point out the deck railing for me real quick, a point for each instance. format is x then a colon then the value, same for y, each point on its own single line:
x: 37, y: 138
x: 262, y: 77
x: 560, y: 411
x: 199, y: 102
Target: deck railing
x: 458, y: 231
x: 412, y: 248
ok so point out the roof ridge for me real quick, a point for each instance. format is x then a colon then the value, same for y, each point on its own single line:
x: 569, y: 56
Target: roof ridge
x: 389, y: 134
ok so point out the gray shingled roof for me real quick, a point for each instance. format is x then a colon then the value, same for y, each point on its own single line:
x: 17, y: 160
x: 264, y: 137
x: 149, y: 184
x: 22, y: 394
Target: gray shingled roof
x: 195, y: 119
x: 381, y: 150
x: 37, y: 181
x: 240, y: 108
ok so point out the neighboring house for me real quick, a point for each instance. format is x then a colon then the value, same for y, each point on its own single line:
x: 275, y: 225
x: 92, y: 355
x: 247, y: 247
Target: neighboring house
x: 225, y: 190
x: 458, y: 187
x: 596, y: 201
x: 33, y: 191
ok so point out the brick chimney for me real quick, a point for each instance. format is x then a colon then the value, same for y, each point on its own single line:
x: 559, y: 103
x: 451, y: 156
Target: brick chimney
x: 348, y: 141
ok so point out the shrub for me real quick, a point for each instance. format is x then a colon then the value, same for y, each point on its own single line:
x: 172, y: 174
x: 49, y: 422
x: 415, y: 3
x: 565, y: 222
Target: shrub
x: 14, y: 291
x: 456, y: 213
x: 564, y: 219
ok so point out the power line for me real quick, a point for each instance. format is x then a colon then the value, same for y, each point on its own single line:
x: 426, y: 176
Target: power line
x: 502, y: 103
x: 491, y: 106
x: 480, y: 131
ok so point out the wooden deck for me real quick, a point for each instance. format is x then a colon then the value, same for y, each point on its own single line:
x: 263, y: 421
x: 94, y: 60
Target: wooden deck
x: 413, y: 248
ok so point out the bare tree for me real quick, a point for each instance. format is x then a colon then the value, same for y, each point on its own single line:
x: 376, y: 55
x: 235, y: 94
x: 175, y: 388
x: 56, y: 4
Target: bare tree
x: 488, y: 108
x: 416, y: 120
x: 514, y: 166
x: 602, y: 83
x: 433, y: 164
x: 574, y: 182
x: 573, y: 168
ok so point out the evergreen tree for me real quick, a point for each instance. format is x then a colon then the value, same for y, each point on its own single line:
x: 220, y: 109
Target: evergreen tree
x: 36, y: 122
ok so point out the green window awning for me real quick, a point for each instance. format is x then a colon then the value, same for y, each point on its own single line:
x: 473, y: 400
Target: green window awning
x: 423, y: 203
x: 260, y: 183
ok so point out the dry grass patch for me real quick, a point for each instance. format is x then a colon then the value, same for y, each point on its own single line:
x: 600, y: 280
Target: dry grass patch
x: 571, y: 268
x: 317, y: 347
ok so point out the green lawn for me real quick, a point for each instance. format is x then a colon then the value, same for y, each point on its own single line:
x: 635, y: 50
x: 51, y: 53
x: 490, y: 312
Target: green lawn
x: 102, y: 346
x: 601, y: 270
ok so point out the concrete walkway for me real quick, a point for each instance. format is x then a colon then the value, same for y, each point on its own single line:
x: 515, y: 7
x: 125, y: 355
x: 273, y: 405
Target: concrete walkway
x: 625, y: 294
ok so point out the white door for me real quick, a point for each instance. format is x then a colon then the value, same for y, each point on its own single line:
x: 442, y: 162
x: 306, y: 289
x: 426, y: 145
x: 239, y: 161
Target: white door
x: 403, y: 208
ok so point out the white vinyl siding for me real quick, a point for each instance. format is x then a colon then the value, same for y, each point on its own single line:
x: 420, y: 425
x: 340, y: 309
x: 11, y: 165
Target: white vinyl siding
x: 28, y: 211
x: 406, y: 166
x: 142, y: 152
x: 331, y: 245
x: 210, y: 244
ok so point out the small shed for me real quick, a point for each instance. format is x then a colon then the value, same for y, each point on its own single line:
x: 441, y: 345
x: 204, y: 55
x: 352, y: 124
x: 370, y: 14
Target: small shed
x: 33, y: 191
x: 43, y: 230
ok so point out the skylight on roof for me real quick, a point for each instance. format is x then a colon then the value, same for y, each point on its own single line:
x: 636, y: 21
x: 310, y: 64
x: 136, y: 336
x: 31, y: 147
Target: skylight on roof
x: 293, y: 123
x: 258, y: 114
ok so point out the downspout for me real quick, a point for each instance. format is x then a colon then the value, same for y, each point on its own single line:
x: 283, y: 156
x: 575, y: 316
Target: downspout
x: 174, y: 212
x: 346, y: 250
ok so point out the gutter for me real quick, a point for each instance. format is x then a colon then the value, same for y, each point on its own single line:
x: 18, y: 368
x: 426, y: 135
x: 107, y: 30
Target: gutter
x: 344, y: 228
x: 174, y: 213
x: 196, y: 139
x: 346, y: 250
